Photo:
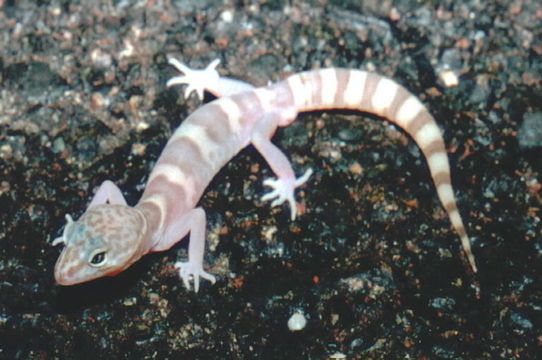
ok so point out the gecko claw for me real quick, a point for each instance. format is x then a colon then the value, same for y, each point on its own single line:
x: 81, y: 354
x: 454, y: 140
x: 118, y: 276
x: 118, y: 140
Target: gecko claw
x: 191, y: 272
x: 283, y: 190
x: 196, y: 80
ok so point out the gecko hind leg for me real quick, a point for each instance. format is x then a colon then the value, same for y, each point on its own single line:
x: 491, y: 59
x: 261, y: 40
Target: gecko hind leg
x: 284, y: 185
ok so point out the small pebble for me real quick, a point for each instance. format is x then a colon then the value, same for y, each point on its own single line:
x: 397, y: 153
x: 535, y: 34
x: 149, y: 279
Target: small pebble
x: 449, y: 78
x: 297, y: 321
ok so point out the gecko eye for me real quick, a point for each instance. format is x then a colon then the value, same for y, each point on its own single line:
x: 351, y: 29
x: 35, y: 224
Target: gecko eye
x: 98, y: 258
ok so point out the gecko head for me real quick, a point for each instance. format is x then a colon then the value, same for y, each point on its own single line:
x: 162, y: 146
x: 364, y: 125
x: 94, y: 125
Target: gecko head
x: 103, y: 242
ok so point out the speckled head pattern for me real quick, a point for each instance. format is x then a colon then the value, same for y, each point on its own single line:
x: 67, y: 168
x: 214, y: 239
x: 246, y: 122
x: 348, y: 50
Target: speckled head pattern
x: 103, y: 242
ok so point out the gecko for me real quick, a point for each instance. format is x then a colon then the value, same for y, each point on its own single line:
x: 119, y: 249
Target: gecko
x: 111, y: 235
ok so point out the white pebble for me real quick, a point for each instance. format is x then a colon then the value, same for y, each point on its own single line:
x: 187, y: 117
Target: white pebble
x: 297, y: 321
x: 449, y: 78
x: 227, y: 16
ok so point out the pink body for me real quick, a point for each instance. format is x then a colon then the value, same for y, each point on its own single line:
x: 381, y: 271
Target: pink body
x: 110, y: 235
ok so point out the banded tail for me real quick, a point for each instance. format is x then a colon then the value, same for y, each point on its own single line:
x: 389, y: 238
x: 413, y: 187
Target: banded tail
x: 368, y: 92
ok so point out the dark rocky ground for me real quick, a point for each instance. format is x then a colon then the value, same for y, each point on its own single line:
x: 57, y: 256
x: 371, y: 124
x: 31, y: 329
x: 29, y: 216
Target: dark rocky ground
x: 372, y: 261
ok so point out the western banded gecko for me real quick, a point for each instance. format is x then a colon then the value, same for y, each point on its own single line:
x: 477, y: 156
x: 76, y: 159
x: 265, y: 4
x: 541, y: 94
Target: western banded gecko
x: 110, y: 235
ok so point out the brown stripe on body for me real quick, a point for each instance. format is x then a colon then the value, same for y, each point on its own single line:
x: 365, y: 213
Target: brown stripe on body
x: 354, y: 89
x: 422, y: 119
x: 178, y: 182
x: 305, y: 88
x: 251, y: 110
x: 170, y: 191
x: 208, y: 138
x: 153, y: 213
x: 436, y: 146
x: 371, y: 82
x: 312, y: 89
x: 297, y: 89
x: 324, y: 89
x: 214, y: 119
x: 285, y: 101
x: 208, y: 130
x: 440, y: 176
x: 186, y: 154
x: 342, y: 76
x: 197, y: 150
x: 400, y: 97
x: 171, y: 198
x: 284, y: 98
x: 222, y: 116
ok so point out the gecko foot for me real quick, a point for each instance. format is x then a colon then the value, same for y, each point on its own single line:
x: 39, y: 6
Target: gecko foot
x: 197, y: 80
x: 283, y: 190
x: 189, y: 271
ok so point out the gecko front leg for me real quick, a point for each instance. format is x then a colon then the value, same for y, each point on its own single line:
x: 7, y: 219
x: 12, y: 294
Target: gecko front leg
x: 194, y: 223
x: 108, y: 193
